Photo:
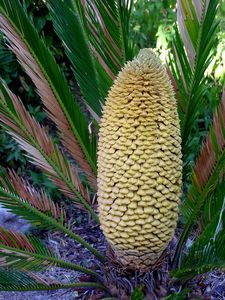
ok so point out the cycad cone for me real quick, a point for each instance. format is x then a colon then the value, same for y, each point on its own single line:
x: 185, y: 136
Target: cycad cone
x: 139, y: 163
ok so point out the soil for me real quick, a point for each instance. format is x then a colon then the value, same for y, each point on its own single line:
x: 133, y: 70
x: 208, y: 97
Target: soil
x: 209, y: 286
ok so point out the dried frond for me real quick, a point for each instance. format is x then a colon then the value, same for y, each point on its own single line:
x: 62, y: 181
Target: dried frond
x: 38, y: 199
x: 215, y: 142
x: 15, y: 240
x: 49, y: 97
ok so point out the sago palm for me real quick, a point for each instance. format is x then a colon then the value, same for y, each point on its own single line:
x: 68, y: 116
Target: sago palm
x: 145, y: 126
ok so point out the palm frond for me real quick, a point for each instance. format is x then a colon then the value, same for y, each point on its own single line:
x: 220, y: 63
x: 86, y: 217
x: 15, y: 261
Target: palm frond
x: 207, y: 252
x: 209, y: 167
x: 38, y: 199
x: 96, y: 61
x: 10, y: 199
x: 213, y: 146
x: 41, y: 149
x: 15, y: 280
x: 24, y: 252
x: 192, y: 54
x: 51, y: 85
x: 12, y: 280
x: 214, y: 204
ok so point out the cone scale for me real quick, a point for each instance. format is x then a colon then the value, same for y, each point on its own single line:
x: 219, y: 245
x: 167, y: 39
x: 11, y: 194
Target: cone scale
x: 139, y: 163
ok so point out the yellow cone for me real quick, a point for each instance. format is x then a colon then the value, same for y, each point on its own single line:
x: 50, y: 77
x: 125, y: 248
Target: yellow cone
x: 139, y: 163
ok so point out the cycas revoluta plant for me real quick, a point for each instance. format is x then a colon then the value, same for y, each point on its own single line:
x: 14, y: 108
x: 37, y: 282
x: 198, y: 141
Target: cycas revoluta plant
x: 139, y: 159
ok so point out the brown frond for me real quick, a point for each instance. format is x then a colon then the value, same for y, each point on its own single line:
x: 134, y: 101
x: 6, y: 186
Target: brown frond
x: 48, y: 96
x: 34, y: 139
x: 38, y: 199
x: 15, y: 240
x: 208, y: 158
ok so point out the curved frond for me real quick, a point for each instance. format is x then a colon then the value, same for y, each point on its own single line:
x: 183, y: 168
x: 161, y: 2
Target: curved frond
x: 24, y: 252
x: 51, y: 85
x: 35, y: 207
x: 10, y: 199
x: 41, y: 149
x: 38, y: 199
x: 209, y: 167
x: 207, y: 253
x: 192, y: 55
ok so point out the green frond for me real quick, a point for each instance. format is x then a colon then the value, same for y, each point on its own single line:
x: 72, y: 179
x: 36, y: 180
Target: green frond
x: 208, y: 168
x: 209, y: 165
x: 25, y: 252
x: 214, y: 204
x: 41, y: 149
x: 15, y: 280
x: 12, y: 280
x: 10, y: 199
x: 96, y: 61
x: 207, y: 252
x: 40, y: 65
x: 191, y: 55
x: 37, y: 199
